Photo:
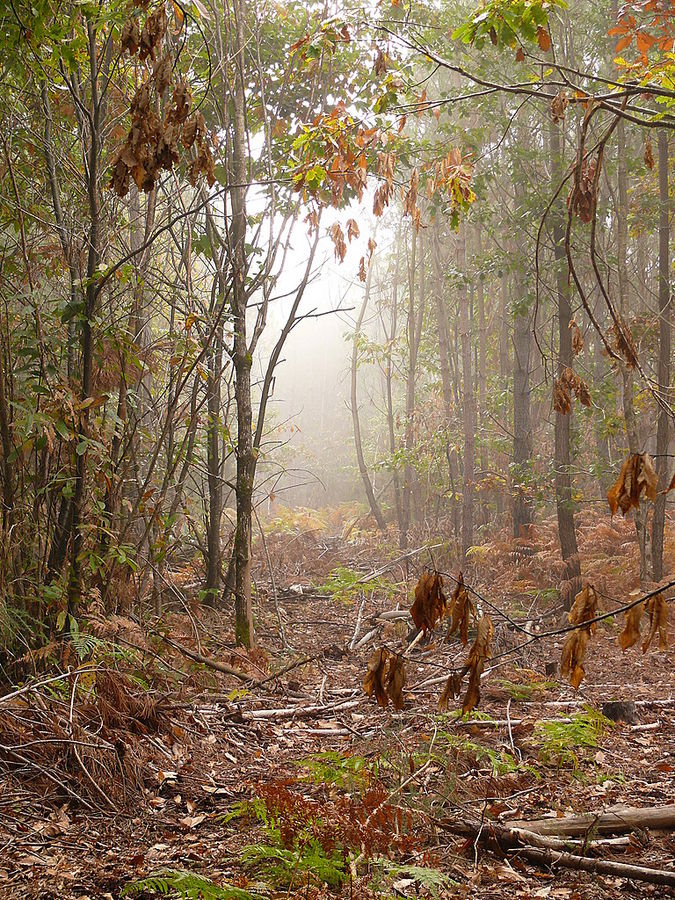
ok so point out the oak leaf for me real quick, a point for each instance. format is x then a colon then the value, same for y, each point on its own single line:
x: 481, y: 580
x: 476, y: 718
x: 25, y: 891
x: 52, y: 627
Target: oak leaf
x: 478, y: 655
x: 577, y: 339
x: 451, y: 690
x: 430, y: 601
x: 631, y: 626
x: 658, y: 621
x: 543, y: 39
x: 649, y: 155
x: 459, y: 610
x: 584, y: 609
x: 385, y: 678
x: 637, y: 476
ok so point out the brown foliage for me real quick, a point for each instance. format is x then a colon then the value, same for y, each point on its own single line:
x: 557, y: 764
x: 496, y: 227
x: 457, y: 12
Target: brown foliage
x: 561, y: 398
x: 385, y: 678
x: 558, y: 107
x: 430, y: 601
x: 451, y: 690
x: 637, y: 476
x: 337, y: 237
x: 658, y: 621
x: 574, y: 649
x: 624, y: 343
x: 572, y: 384
x: 577, y: 339
x: 649, y: 155
x: 631, y: 626
x: 459, y: 610
x: 582, y: 199
x: 478, y: 655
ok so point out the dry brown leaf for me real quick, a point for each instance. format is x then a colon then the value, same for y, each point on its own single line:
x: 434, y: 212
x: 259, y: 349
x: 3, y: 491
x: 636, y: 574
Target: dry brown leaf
x: 585, y: 609
x: 577, y: 339
x: 558, y: 107
x: 657, y: 608
x: 631, y: 626
x: 459, y: 610
x: 337, y: 237
x: 649, y: 154
x: 451, y: 690
x: 478, y: 655
x: 573, y: 652
x: 624, y: 343
x: 637, y: 476
x: 561, y: 398
x: 543, y: 39
x: 429, y: 605
x: 385, y: 678
x: 130, y: 37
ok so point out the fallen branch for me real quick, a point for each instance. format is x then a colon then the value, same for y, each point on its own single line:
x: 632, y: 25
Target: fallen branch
x: 206, y: 661
x: 616, y: 820
x: 553, y: 858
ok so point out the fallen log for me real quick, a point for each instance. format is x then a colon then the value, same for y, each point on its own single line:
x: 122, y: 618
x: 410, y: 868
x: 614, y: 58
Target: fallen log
x: 553, y: 858
x: 510, y: 837
x: 206, y: 661
x: 538, y: 849
x: 615, y: 820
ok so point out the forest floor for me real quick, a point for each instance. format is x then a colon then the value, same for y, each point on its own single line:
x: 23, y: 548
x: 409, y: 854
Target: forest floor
x: 298, y: 784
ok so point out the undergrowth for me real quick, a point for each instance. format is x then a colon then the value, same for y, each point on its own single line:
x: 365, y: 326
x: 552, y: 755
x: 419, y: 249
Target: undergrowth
x: 558, y: 741
x: 344, y: 584
x: 184, y: 885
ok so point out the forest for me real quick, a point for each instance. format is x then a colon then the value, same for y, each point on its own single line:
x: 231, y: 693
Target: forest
x: 337, y: 449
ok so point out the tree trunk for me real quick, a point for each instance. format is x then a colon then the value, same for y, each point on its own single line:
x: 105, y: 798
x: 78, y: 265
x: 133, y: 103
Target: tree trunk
x: 468, y: 406
x: 563, y: 481
x: 241, y: 358
x: 522, y: 426
x: 214, y: 475
x: 665, y: 314
x: 365, y: 477
x: 629, y: 416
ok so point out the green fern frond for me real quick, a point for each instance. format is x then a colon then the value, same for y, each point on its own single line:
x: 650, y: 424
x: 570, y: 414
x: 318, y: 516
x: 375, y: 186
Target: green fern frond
x: 433, y: 880
x: 186, y: 886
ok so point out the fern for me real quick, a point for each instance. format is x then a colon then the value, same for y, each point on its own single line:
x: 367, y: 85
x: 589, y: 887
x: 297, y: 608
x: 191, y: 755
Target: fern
x: 186, y: 886
x: 559, y: 740
x: 346, y: 772
x: 433, y: 880
x: 282, y: 866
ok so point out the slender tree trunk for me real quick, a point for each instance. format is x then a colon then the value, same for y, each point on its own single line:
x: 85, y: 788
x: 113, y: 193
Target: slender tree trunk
x: 629, y: 416
x: 365, y: 477
x: 665, y: 316
x: 214, y: 478
x: 522, y: 425
x: 563, y: 480
x: 389, y: 377
x: 468, y: 402
x: 241, y: 357
x: 482, y: 371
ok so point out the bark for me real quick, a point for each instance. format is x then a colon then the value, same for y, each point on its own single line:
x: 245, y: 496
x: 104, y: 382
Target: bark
x: 389, y: 398
x: 446, y: 378
x: 241, y: 358
x: 468, y: 401
x: 482, y: 370
x: 616, y: 820
x: 365, y: 477
x: 563, y: 481
x: 214, y: 475
x: 522, y: 426
x: 665, y: 315
x: 629, y: 416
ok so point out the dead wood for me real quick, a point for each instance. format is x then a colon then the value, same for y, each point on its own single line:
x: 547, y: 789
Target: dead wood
x: 553, y: 858
x: 616, y: 820
x: 206, y: 661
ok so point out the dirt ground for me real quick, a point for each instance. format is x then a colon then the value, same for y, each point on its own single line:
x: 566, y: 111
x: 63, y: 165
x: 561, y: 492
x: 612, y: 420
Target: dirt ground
x: 310, y: 741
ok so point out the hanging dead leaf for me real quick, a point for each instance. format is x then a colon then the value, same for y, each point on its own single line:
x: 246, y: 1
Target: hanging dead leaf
x: 520, y: 55
x: 577, y: 339
x: 649, y: 154
x: 631, y: 626
x: 582, y: 199
x: 430, y: 601
x: 543, y: 39
x: 624, y: 343
x: 574, y: 650
x: 362, y: 269
x: 130, y: 36
x: 658, y: 621
x: 562, y: 402
x: 637, y: 476
x: 385, y: 678
x: 459, y: 610
x: 337, y: 237
x: 152, y: 33
x: 352, y: 229
x: 451, y: 690
x: 558, y: 107
x: 584, y: 609
x: 478, y: 655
